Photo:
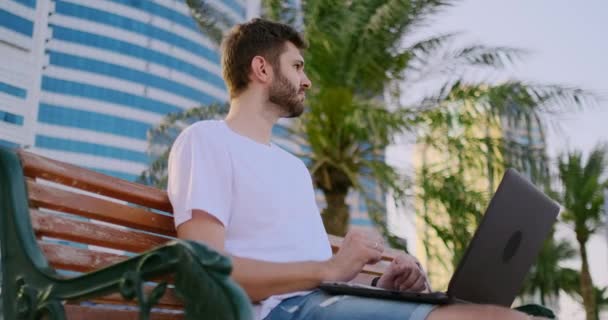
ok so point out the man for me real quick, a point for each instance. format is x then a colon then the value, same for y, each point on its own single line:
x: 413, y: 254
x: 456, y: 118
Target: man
x: 234, y: 190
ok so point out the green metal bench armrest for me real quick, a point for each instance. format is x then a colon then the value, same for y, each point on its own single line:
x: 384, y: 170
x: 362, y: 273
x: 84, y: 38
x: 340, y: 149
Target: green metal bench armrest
x: 32, y: 288
x: 536, y: 310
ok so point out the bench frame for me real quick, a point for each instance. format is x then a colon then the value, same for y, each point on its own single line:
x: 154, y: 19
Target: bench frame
x: 31, y: 288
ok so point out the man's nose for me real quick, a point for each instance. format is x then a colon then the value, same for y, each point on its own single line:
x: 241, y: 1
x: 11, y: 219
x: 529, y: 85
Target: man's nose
x: 306, y: 83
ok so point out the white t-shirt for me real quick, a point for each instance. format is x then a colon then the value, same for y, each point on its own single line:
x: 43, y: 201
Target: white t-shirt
x: 262, y: 194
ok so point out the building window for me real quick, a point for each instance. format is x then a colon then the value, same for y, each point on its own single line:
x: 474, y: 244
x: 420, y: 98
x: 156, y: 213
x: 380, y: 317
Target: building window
x: 136, y: 76
x: 93, y: 121
x: 129, y: 49
x: 94, y: 149
x: 125, y: 23
x: 16, y: 23
x: 107, y: 95
x: 11, y: 118
x: 12, y: 90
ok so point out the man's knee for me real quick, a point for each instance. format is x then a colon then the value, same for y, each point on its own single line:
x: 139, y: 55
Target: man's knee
x: 475, y: 311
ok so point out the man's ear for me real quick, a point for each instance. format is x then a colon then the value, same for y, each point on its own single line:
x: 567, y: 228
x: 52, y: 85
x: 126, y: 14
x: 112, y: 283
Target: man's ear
x: 261, y: 70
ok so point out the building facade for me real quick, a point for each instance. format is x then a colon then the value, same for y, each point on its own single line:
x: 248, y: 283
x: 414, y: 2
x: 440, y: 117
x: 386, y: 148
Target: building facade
x: 84, y: 80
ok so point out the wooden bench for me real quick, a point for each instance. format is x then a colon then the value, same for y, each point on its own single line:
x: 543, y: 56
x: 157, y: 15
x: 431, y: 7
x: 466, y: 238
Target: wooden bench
x: 91, y: 246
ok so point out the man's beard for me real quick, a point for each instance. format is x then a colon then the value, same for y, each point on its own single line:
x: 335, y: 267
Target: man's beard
x: 285, y: 95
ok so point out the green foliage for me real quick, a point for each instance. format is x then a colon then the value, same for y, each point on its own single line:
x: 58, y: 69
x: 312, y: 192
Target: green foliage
x: 461, y: 204
x: 548, y: 278
x: 601, y: 300
x: 583, y: 190
x: 584, y: 184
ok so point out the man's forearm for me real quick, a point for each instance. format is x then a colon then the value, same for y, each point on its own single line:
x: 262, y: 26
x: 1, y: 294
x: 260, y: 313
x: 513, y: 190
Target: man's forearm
x: 262, y: 279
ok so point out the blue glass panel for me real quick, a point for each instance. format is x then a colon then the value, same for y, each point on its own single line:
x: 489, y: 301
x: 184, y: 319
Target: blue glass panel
x: 361, y: 222
x: 88, y: 120
x: 113, y: 70
x: 117, y: 174
x: 158, y: 10
x: 126, y: 48
x: 12, y: 90
x: 16, y: 23
x: 94, y: 149
x: 28, y: 3
x: 107, y: 95
x: 178, y: 17
x: 11, y: 118
x: 117, y: 21
x: 8, y: 144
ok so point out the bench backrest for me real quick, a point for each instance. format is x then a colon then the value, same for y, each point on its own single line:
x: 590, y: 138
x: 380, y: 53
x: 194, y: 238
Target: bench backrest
x: 105, y: 219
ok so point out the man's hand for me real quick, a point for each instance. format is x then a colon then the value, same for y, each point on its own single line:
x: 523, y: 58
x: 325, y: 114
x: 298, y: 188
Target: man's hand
x: 404, y: 274
x: 357, y: 250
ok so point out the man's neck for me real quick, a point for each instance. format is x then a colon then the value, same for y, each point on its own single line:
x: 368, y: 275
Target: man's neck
x: 249, y: 117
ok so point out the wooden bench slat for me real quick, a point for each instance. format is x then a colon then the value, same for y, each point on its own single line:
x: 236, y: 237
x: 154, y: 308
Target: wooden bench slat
x: 169, y: 300
x: 376, y: 269
x: 77, y: 259
x: 95, y: 208
x: 364, y: 278
x: 74, y: 176
x: 76, y: 312
x: 83, y: 260
x: 66, y: 257
x: 55, y: 226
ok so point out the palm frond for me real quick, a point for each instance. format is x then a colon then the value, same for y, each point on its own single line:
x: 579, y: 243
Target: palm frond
x: 211, y: 21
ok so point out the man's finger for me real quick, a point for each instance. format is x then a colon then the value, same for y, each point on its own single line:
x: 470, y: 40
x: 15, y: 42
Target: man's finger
x: 374, y: 256
x: 405, y: 273
x: 414, y: 275
x: 419, y: 286
x: 392, y: 272
x: 399, y: 259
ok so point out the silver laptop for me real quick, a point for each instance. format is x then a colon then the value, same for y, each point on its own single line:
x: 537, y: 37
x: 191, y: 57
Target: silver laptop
x: 517, y: 221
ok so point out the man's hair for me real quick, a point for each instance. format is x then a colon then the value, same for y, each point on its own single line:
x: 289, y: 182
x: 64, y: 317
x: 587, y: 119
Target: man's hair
x: 257, y: 37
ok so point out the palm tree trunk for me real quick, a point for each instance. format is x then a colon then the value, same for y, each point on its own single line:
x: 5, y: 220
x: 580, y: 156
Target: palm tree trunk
x: 425, y: 211
x: 542, y: 295
x: 335, y: 215
x: 489, y: 155
x: 587, y: 284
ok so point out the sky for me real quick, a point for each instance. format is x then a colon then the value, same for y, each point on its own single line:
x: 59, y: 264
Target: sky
x: 567, y: 45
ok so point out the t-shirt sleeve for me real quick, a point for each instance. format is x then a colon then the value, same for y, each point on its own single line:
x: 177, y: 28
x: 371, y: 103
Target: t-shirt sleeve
x: 200, y: 177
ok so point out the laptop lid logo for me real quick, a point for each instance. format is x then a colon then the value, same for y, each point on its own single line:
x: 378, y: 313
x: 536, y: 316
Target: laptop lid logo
x: 511, y: 247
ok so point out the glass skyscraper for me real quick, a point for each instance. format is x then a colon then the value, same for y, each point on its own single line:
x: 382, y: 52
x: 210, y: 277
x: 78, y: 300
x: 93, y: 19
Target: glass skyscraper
x: 83, y: 80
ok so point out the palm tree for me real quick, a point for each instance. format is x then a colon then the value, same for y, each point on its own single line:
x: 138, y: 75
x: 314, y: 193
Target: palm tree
x: 583, y: 201
x: 357, y: 53
x: 547, y: 278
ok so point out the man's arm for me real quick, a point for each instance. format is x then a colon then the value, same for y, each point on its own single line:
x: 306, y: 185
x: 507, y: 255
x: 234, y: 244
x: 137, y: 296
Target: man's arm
x: 261, y: 279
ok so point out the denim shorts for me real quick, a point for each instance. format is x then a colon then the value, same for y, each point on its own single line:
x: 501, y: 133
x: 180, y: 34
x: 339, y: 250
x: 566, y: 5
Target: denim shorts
x: 320, y: 305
